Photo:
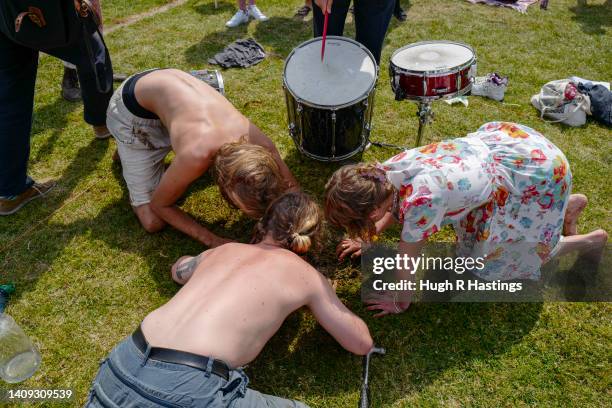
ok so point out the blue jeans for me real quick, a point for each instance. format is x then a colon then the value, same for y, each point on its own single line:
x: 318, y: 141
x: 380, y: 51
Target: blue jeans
x: 372, y: 19
x: 128, y: 379
x: 18, y: 67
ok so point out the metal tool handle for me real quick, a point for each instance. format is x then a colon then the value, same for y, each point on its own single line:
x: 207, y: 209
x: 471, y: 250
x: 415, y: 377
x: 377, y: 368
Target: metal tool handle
x: 364, y: 399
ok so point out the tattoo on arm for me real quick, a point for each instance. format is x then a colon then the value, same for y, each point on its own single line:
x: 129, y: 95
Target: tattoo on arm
x: 185, y: 270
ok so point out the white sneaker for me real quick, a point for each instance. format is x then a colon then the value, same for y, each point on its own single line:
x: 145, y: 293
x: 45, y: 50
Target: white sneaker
x: 491, y: 86
x: 256, y: 13
x: 241, y: 17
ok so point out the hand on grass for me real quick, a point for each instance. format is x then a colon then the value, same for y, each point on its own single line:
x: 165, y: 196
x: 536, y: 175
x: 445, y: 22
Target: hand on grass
x: 384, y: 307
x: 349, y: 246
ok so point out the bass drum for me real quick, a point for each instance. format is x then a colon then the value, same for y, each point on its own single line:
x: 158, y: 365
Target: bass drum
x: 330, y: 103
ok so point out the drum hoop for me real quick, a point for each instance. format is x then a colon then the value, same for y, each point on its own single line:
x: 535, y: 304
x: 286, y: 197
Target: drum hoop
x: 450, y: 70
x: 331, y: 107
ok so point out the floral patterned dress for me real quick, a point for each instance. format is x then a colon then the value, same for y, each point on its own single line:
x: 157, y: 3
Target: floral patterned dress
x: 504, y: 188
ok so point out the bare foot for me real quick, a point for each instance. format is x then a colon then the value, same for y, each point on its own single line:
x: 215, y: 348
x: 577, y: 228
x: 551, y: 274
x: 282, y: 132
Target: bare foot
x: 596, y: 243
x: 577, y: 203
x: 116, y: 156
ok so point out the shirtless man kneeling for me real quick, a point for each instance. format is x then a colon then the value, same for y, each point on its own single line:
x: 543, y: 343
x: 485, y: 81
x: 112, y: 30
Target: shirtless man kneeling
x: 157, y: 111
x: 235, y: 298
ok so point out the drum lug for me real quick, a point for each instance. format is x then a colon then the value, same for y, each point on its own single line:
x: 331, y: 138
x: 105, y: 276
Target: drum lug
x: 333, y: 147
x: 292, y: 129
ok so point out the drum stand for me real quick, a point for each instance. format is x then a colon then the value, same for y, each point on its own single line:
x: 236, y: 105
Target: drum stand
x: 425, y: 115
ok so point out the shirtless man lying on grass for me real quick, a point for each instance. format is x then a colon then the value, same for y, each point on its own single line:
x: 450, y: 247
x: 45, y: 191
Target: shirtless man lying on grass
x: 235, y: 298
x: 158, y: 111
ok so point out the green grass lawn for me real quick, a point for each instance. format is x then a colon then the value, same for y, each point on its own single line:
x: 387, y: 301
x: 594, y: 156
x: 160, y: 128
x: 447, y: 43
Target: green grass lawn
x: 87, y: 274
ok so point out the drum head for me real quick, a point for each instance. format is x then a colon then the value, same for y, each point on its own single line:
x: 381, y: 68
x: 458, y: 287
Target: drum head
x: 347, y: 74
x: 438, y: 56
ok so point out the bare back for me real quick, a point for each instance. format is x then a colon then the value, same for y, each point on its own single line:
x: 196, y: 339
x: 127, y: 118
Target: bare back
x: 237, y: 298
x: 195, y: 114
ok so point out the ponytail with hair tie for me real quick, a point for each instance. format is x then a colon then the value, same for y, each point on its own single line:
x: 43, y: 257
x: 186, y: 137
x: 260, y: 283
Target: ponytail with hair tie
x: 300, y: 244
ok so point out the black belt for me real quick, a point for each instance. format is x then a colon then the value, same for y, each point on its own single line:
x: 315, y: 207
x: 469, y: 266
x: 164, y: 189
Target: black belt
x: 219, y: 368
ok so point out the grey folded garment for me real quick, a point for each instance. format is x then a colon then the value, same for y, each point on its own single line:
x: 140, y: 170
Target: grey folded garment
x: 240, y: 53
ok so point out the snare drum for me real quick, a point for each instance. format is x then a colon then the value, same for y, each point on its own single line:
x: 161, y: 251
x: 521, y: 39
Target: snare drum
x: 431, y: 70
x: 330, y: 103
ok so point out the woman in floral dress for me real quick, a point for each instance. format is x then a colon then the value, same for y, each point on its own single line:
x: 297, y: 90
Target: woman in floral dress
x: 505, y: 189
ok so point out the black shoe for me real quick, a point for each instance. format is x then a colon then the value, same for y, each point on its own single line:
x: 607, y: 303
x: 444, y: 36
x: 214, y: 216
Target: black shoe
x: 400, y: 14
x: 70, y: 85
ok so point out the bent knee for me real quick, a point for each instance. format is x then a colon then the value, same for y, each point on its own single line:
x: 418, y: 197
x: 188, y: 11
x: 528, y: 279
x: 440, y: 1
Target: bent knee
x: 148, y: 219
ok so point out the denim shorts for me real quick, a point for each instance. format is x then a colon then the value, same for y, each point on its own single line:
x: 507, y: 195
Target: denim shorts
x: 127, y: 379
x: 143, y: 144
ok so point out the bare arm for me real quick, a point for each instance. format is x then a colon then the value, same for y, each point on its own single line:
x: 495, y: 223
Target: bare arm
x: 175, y: 181
x: 385, y: 222
x: 353, y: 246
x: 347, y: 328
x: 185, y: 266
x: 257, y: 137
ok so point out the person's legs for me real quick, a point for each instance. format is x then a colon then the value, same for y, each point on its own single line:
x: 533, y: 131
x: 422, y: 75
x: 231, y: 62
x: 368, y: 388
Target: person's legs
x: 335, y: 25
x: 71, y: 91
x: 18, y: 66
x: 142, y: 145
x: 95, y: 102
x: 592, y: 242
x: 255, y: 12
x: 577, y: 203
x: 241, y: 16
x: 148, y: 219
x: 372, y: 19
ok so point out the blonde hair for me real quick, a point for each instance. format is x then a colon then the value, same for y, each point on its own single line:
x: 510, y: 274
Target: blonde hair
x: 352, y: 193
x: 294, y: 220
x: 249, y: 172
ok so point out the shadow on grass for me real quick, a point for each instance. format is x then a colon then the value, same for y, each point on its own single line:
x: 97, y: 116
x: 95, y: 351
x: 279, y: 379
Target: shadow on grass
x: 45, y: 251
x: 209, y: 9
x: 55, y: 114
x: 594, y: 19
x: 421, y: 344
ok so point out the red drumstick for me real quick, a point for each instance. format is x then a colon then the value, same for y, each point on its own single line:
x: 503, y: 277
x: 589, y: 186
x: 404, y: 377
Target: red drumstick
x: 324, y: 32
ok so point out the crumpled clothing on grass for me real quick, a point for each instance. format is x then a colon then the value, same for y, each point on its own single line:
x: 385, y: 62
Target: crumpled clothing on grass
x: 241, y: 53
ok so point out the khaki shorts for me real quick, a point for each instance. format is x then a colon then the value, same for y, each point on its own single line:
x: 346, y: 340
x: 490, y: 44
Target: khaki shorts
x: 142, y: 144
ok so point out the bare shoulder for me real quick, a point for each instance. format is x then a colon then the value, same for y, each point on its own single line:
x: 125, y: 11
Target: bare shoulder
x: 306, y: 275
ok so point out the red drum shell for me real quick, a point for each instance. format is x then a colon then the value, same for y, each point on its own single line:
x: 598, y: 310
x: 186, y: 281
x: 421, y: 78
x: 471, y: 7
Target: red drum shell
x: 429, y: 85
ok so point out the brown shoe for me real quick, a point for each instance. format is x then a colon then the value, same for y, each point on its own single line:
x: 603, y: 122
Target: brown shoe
x: 37, y: 190
x: 101, y: 132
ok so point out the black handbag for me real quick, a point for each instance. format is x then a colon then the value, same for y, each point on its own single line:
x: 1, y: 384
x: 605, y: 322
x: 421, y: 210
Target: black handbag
x: 47, y: 24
